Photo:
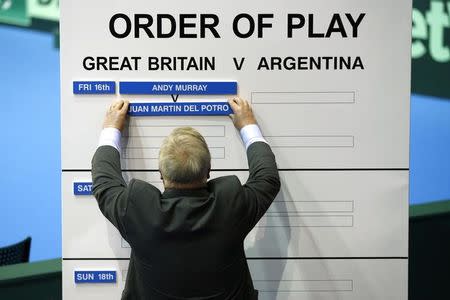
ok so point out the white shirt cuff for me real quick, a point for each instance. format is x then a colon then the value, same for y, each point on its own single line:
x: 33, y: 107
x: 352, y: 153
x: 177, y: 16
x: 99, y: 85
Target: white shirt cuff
x: 250, y: 134
x: 110, y: 137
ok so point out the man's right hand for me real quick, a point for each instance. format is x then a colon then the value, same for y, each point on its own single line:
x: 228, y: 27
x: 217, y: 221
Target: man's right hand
x: 242, y: 113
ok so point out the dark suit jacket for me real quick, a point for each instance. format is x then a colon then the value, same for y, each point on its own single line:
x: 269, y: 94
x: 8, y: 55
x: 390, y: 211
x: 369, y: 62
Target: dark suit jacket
x: 186, y: 244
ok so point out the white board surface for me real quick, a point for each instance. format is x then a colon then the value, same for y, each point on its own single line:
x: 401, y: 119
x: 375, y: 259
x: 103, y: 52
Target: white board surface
x: 327, y: 118
x: 339, y: 227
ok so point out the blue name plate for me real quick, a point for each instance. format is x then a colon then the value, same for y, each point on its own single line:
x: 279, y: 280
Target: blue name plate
x: 180, y: 109
x: 179, y: 88
x: 95, y: 276
x: 94, y: 87
x: 82, y: 188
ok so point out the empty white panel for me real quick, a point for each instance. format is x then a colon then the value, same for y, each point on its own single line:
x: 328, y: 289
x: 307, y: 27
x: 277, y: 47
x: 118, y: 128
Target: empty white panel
x: 153, y: 153
x: 306, y: 221
x: 163, y: 131
x: 310, y: 141
x: 302, y: 97
x: 155, y: 142
x: 296, y: 286
x: 295, y: 207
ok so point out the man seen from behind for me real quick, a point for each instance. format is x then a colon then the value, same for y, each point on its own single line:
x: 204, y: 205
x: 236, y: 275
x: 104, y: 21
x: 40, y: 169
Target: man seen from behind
x: 187, y: 242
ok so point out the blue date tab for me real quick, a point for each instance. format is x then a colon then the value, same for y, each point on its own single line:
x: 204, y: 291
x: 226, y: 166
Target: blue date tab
x: 82, y: 188
x: 180, y: 109
x: 94, y: 87
x: 95, y: 276
x: 178, y: 87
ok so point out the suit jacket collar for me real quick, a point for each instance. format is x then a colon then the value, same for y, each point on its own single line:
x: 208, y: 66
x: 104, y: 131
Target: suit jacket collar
x: 174, y: 193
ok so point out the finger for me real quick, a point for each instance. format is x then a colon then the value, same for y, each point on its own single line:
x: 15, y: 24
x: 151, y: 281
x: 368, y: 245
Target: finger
x: 239, y: 101
x: 249, y: 107
x: 233, y: 104
x: 125, y: 106
x: 236, y: 100
x: 118, y: 105
x: 113, y: 106
x: 243, y: 105
x: 233, y: 100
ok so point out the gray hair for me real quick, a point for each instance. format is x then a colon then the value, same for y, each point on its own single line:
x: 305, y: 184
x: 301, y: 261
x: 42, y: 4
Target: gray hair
x: 184, y: 156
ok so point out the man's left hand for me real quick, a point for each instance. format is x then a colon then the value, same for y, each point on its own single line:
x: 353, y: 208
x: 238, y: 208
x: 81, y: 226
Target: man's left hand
x: 116, y: 115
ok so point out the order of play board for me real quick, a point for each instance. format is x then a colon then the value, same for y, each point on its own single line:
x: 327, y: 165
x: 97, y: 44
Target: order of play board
x: 329, y: 85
